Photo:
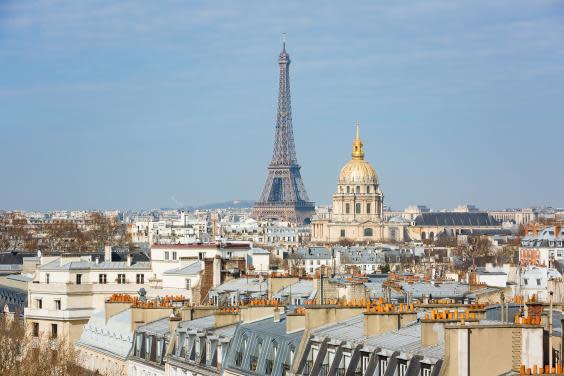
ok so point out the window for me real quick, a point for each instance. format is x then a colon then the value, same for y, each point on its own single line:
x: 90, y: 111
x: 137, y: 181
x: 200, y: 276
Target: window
x: 47, y: 278
x: 368, y: 189
x: 425, y: 370
x: 538, y: 282
x: 188, y: 284
x: 58, y: 304
x: 402, y: 368
x: 368, y: 208
x: 357, y: 189
x: 364, y: 363
x: 201, y: 255
x: 357, y: 208
x: 102, y: 278
x: 159, y: 349
x: 138, y: 343
x: 166, y: 255
x: 39, y: 303
x: 35, y: 329
x: 121, y: 279
x: 383, y: 365
x: 318, y: 262
x: 54, y: 328
x: 78, y: 279
x: 342, y: 233
x: 140, y: 278
x: 347, y: 208
x: 368, y: 232
x: 174, y: 255
x: 526, y: 281
x: 348, y: 189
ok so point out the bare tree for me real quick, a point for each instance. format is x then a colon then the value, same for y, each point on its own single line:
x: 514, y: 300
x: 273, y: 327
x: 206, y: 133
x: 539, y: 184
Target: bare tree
x: 477, y: 246
x: 21, y: 355
x: 106, y: 230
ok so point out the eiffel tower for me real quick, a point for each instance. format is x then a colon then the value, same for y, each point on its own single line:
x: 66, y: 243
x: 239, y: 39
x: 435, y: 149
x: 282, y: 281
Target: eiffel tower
x: 284, y: 196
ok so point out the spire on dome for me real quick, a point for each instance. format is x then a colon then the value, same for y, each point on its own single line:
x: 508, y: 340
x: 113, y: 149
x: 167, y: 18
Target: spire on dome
x: 358, y: 150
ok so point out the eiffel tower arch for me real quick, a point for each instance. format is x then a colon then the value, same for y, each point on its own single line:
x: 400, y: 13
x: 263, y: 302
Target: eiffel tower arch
x: 284, y: 196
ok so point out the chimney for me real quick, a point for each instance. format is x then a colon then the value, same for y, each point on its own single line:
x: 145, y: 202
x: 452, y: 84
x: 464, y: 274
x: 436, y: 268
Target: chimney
x: 317, y: 315
x: 433, y: 325
x: 295, y: 321
x: 129, y: 259
x: 97, y: 260
x: 108, y: 253
x: 258, y: 310
x: 227, y: 316
x: 386, y: 318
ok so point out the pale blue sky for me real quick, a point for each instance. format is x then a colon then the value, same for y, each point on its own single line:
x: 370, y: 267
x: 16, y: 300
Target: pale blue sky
x: 141, y: 104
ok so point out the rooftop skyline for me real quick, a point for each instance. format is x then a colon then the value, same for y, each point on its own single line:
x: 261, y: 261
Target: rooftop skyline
x: 139, y: 105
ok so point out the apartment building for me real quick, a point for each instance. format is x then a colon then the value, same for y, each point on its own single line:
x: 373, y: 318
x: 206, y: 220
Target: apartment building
x: 67, y: 290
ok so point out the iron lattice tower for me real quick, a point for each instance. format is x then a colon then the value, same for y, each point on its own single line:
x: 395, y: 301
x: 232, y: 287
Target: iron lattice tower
x: 284, y: 196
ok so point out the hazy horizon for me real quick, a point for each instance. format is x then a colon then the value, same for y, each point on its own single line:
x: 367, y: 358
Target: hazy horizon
x: 142, y: 105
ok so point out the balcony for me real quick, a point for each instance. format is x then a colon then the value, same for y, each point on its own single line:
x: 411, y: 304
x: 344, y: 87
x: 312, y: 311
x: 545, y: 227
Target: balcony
x: 85, y: 288
x: 51, y: 314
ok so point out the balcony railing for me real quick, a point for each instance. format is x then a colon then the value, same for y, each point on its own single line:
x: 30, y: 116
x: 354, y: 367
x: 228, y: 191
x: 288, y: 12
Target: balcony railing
x: 84, y: 288
x: 67, y: 314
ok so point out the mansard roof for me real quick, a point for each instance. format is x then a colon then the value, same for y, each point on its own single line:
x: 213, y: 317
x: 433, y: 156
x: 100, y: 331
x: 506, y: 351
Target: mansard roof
x: 405, y: 340
x: 456, y: 219
x: 112, y: 337
x: 268, y: 333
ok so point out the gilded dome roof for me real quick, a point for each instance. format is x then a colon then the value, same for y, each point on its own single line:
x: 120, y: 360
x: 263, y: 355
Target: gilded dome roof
x: 357, y: 170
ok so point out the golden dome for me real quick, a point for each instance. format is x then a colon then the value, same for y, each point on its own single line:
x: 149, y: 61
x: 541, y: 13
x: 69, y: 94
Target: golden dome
x: 357, y: 170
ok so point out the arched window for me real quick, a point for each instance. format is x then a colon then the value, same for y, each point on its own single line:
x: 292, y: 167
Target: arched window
x: 431, y: 236
x: 423, y: 236
x: 347, y: 208
x: 368, y: 232
x: 357, y: 208
x: 357, y: 189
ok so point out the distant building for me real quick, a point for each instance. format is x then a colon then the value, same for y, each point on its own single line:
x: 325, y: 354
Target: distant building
x: 542, y: 248
x: 432, y: 225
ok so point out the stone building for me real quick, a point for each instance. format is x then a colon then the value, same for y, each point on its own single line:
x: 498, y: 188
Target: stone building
x: 358, y: 205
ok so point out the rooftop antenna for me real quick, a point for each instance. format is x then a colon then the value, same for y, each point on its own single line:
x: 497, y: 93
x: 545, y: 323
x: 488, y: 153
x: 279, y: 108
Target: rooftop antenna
x: 283, y: 41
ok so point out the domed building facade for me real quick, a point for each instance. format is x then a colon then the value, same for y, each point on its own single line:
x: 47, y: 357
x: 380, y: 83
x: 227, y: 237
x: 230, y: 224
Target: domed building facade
x: 358, y: 205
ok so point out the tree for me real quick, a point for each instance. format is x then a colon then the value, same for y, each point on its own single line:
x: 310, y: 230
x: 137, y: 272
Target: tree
x: 446, y: 241
x: 346, y: 242
x: 106, y: 230
x: 476, y: 246
x: 21, y: 355
x: 385, y: 268
x: 506, y: 255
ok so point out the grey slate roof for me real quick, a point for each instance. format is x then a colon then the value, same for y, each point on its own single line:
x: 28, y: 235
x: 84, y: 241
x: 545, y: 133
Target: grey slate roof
x: 456, y: 219
x: 269, y: 334
x: 405, y: 340
x: 91, y: 265
x: 159, y: 328
x: 192, y: 269
x: 311, y: 253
